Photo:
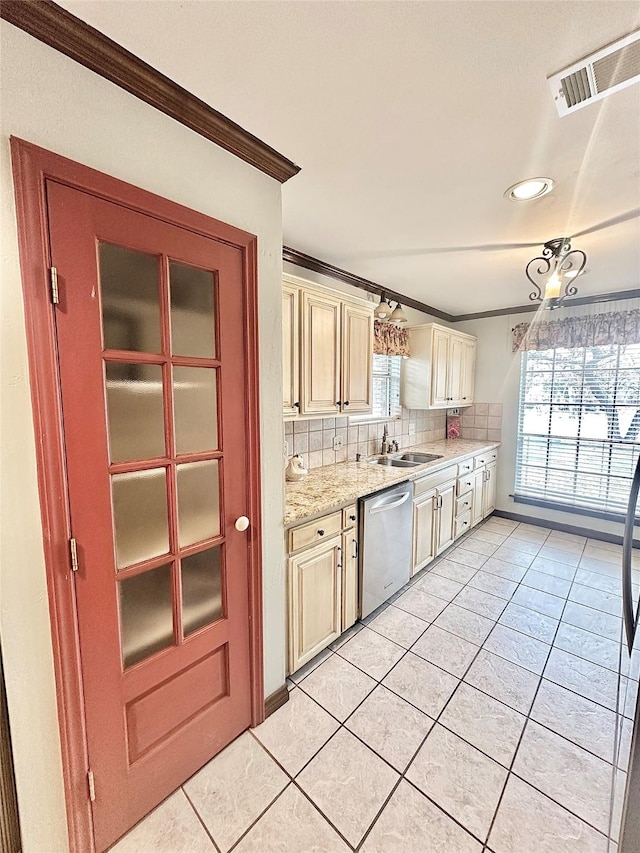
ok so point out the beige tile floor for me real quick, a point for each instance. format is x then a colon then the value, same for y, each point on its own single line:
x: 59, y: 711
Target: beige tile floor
x: 474, y: 712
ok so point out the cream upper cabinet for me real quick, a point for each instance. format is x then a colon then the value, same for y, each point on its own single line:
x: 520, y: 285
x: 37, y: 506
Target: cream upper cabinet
x: 468, y: 371
x: 440, y: 373
x: 321, y: 334
x: 290, y: 350
x: 327, y: 345
x: 357, y: 359
x: 439, y: 367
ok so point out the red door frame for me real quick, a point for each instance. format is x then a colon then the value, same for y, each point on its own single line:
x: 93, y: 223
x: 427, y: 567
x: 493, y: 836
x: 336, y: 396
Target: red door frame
x: 31, y: 168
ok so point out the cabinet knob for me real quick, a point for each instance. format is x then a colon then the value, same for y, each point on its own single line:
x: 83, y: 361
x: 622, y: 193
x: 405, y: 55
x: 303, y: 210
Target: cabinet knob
x: 338, y: 404
x: 242, y: 523
x: 352, y: 518
x: 320, y: 532
x: 464, y: 398
x: 296, y: 405
x: 346, y: 403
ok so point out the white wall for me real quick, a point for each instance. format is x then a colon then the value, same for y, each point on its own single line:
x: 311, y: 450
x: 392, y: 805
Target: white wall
x: 55, y: 103
x: 498, y: 381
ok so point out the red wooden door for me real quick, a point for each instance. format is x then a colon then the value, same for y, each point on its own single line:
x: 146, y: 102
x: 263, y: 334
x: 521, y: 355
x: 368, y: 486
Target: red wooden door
x: 152, y: 375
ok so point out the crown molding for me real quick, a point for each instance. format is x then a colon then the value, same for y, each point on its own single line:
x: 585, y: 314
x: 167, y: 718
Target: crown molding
x: 292, y: 256
x: 53, y: 25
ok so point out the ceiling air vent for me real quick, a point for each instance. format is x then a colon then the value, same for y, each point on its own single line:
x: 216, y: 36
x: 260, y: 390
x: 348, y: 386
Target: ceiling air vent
x: 607, y: 71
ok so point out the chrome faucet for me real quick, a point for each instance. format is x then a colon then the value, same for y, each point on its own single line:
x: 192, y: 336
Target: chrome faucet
x: 385, y: 441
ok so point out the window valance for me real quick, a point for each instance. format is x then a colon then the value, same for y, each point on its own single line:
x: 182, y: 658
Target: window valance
x: 389, y: 339
x: 621, y: 327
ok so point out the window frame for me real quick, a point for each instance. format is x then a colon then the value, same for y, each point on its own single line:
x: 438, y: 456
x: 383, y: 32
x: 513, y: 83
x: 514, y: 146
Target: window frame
x: 394, y: 380
x: 606, y: 446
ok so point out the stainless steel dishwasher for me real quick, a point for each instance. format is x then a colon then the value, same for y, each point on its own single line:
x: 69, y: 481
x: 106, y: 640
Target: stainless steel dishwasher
x: 385, y: 544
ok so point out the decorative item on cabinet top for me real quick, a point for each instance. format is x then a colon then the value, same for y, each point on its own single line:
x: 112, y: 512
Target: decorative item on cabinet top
x: 441, y: 371
x: 327, y: 344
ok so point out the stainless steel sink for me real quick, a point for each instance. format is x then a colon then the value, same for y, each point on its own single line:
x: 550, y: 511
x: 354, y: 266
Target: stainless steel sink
x: 417, y: 458
x: 393, y: 462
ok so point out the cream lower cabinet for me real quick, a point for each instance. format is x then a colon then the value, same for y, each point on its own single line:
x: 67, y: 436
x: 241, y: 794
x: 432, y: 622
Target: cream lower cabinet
x: 350, y: 597
x: 423, y: 527
x: 449, y: 503
x: 434, y: 502
x: 484, y: 478
x: 322, y: 583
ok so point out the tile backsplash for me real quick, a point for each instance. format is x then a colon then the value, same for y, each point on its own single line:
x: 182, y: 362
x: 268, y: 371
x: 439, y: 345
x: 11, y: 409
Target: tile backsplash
x: 313, y: 439
x: 482, y: 421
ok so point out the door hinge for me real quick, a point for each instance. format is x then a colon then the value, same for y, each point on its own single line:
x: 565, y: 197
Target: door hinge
x: 73, y: 550
x: 92, y: 786
x: 55, y: 293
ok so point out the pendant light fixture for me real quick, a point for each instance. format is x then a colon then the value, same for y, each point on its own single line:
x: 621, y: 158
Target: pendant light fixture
x: 553, y: 272
x: 383, y: 309
x: 398, y: 316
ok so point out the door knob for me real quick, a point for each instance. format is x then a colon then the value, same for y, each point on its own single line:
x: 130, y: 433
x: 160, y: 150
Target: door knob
x: 242, y: 523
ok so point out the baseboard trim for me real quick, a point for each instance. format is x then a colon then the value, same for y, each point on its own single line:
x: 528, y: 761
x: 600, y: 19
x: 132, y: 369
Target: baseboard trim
x: 564, y: 528
x: 276, y: 700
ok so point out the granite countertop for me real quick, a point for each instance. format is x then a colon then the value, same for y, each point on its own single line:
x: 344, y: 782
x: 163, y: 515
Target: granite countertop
x: 332, y: 486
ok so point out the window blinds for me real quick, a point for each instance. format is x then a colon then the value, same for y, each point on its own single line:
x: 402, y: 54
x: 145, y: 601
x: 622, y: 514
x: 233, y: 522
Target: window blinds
x: 579, y: 426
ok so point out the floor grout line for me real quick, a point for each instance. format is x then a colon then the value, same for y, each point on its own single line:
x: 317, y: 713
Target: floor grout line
x: 292, y: 779
x: 197, y: 813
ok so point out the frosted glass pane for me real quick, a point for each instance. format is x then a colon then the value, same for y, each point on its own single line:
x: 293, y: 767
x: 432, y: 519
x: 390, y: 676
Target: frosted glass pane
x: 135, y: 411
x: 146, y: 614
x: 195, y: 409
x: 130, y: 301
x: 198, y: 502
x: 140, y: 515
x: 193, y: 330
x: 201, y: 589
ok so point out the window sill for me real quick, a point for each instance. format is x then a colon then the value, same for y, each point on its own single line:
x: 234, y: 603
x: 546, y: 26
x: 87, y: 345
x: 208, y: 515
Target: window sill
x: 572, y: 508
x: 354, y: 420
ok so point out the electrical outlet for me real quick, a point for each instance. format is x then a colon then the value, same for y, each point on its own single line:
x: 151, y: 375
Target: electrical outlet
x: 337, y: 442
x: 286, y: 447
x: 412, y: 427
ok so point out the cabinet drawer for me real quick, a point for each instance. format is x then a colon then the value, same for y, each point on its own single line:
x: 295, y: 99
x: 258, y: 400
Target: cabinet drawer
x: 464, y: 485
x: 463, y: 523
x: 465, y: 467
x: 433, y: 481
x: 463, y: 504
x: 315, y: 531
x: 349, y: 516
x: 485, y: 458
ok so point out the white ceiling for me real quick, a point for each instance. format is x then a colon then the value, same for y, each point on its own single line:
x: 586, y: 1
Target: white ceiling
x: 409, y: 121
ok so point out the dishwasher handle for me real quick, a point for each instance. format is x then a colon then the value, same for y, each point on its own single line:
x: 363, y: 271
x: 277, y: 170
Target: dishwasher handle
x: 382, y: 507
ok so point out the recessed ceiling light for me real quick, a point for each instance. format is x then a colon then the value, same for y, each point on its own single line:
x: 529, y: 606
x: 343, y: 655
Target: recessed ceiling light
x: 529, y: 189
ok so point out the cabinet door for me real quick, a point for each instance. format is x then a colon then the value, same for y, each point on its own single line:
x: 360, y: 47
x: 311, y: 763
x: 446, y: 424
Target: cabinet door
x: 478, y: 496
x: 424, y: 513
x: 321, y: 321
x: 349, y: 578
x: 315, y: 600
x: 455, y: 370
x: 439, y: 362
x: 489, y: 491
x: 446, y: 516
x: 468, y: 372
x: 290, y: 352
x: 357, y: 359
